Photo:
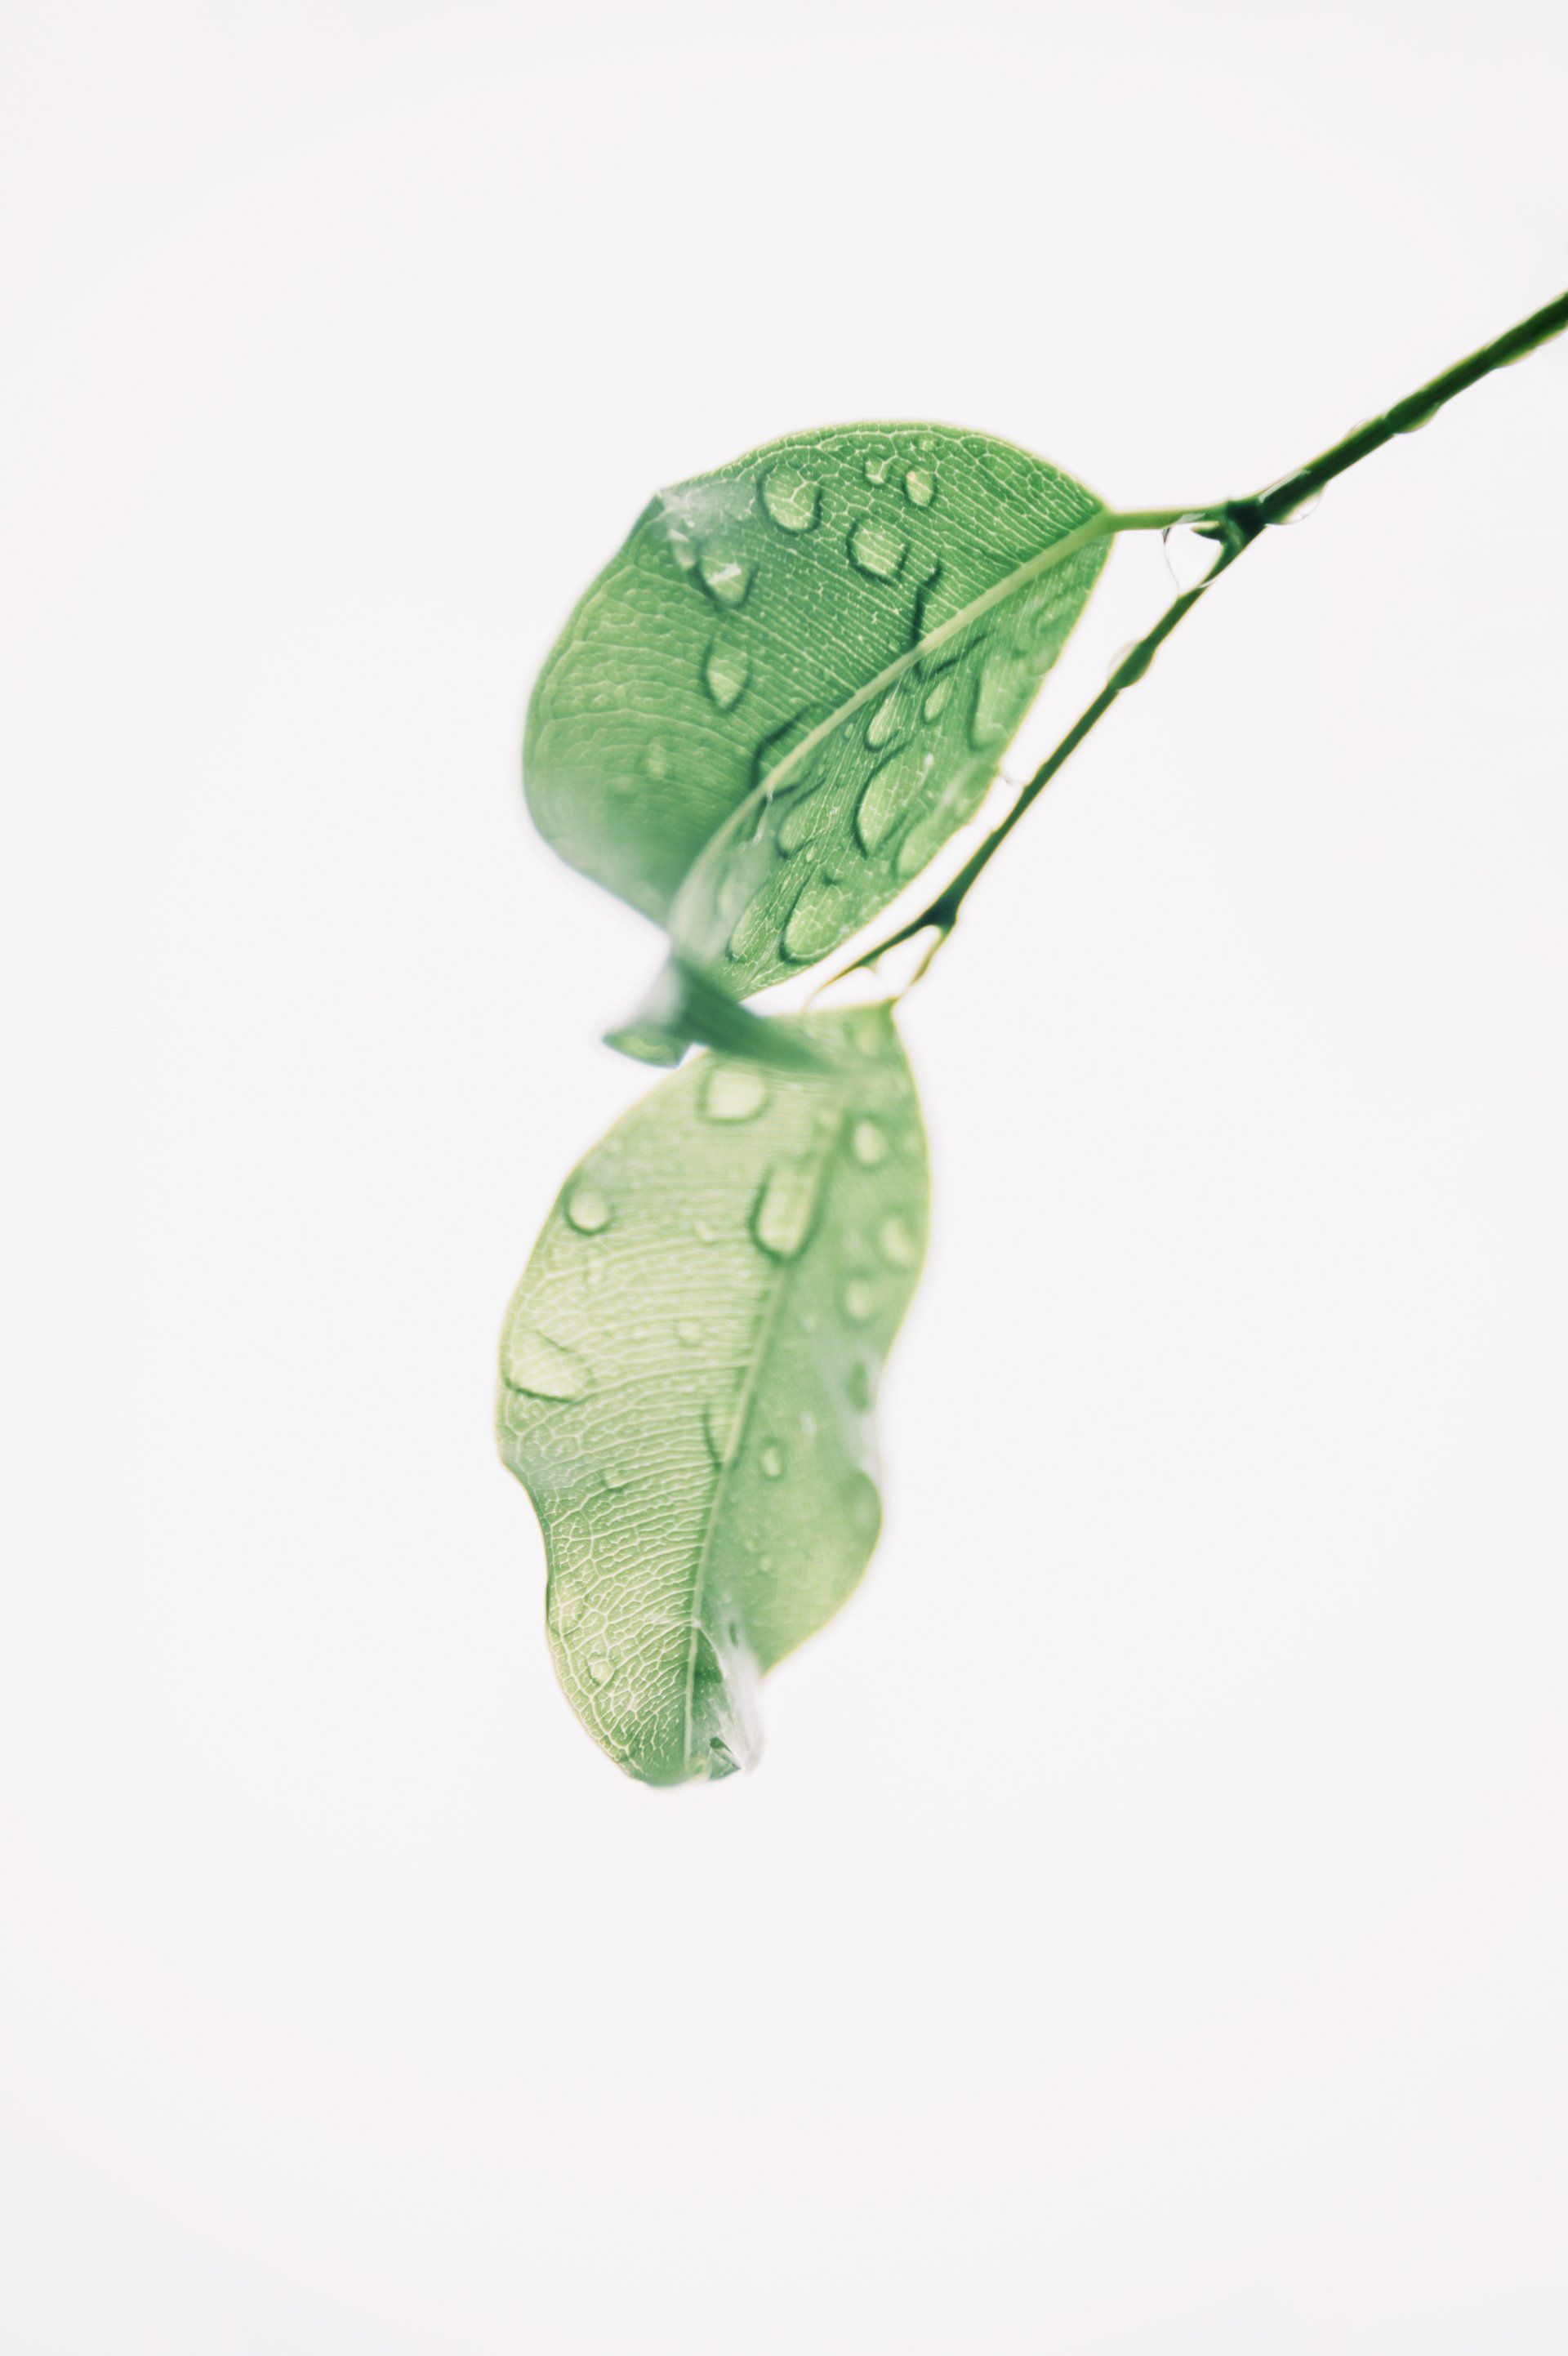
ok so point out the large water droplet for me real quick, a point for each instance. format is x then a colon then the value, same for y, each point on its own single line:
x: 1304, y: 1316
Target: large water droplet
x: 798, y: 824
x: 727, y: 578
x: 896, y: 1243
x: 782, y: 1214
x: 545, y: 1369
x: 772, y: 1460
x: 877, y: 549
x: 817, y: 922
x: 792, y: 499
x: 890, y: 717
x: 733, y: 1092
x: 859, y: 1299
x: 888, y: 794
x: 920, y: 487
x: 868, y: 1144
x: 754, y: 924
x: 937, y: 697
x: 726, y: 670
x: 588, y: 1210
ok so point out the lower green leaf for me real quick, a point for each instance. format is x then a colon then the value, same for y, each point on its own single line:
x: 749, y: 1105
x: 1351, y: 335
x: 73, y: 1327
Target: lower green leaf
x: 689, y: 1371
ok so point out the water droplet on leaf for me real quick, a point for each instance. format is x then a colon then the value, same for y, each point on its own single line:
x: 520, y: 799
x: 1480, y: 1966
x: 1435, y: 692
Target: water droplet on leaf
x: 772, y: 1460
x: 545, y: 1369
x: 688, y: 1333
x: 726, y: 670
x: 859, y: 1301
x: 732, y: 1092
x: 792, y: 499
x: 588, y: 1210
x: 937, y: 697
x: 727, y: 578
x: 896, y: 1243
x: 877, y: 549
x: 920, y: 487
x: 783, y: 1210
x: 601, y: 1669
x: 816, y: 923
x: 868, y: 1144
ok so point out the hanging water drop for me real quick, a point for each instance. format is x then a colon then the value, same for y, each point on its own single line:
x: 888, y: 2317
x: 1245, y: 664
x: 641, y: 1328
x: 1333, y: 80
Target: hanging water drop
x: 1191, y: 554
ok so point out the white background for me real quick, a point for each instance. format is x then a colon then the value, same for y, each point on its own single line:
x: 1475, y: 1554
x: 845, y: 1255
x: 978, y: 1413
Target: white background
x: 1146, y: 1934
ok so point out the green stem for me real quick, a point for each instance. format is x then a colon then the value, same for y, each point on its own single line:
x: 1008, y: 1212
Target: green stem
x: 1234, y: 524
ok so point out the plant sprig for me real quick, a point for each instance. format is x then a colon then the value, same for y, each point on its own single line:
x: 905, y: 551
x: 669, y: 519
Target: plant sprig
x: 785, y: 694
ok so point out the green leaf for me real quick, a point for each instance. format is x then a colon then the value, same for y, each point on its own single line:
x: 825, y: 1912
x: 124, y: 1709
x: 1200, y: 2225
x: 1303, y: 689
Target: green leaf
x: 688, y: 1373
x: 797, y: 677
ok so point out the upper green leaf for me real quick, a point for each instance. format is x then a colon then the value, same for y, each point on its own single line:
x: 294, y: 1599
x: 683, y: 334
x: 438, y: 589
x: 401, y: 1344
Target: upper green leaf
x: 688, y: 1373
x: 797, y: 677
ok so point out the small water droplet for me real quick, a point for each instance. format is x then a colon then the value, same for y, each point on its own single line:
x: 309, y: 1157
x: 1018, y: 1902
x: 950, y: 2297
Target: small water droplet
x: 546, y: 1369
x: 656, y: 760
x: 726, y: 670
x: 995, y: 700
x: 920, y: 487
x: 601, y: 1669
x: 726, y: 578
x: 688, y: 1333
x: 792, y: 499
x: 878, y: 467
x: 858, y: 1386
x: 616, y: 1477
x: 861, y: 1505
x: 733, y: 1092
x: 877, y: 549
x: 1130, y: 663
x: 859, y: 1299
x: 897, y: 1245
x: 868, y: 1144
x: 1295, y: 509
x: 782, y: 1214
x: 682, y: 547
x: 588, y: 1210
x: 704, y: 1230
x: 772, y: 1460
x: 722, y: 1422
x: 817, y: 922
x: 937, y: 697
